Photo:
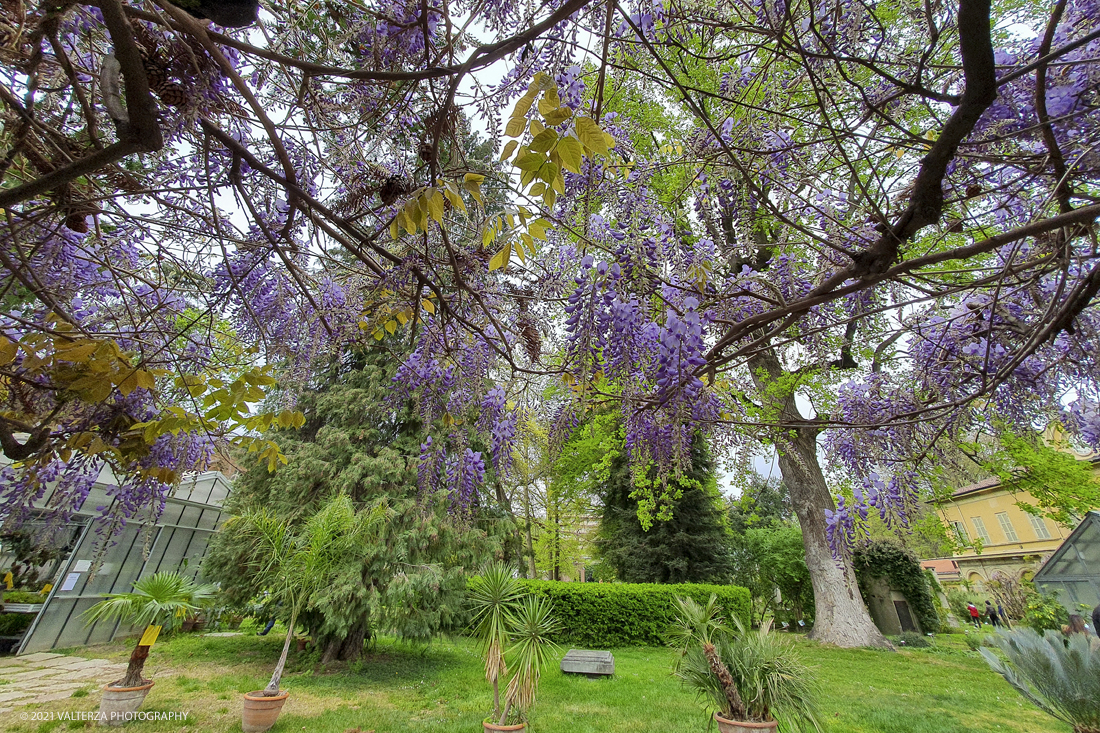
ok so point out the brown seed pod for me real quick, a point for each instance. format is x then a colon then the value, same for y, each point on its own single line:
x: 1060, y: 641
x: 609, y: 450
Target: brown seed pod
x: 173, y: 94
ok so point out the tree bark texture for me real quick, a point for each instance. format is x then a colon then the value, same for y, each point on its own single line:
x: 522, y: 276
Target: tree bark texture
x: 347, y: 648
x: 841, y: 617
x: 135, y: 668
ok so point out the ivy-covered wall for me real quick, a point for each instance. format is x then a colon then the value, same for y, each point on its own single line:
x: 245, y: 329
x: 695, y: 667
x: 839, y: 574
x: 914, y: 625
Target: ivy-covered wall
x: 901, y: 569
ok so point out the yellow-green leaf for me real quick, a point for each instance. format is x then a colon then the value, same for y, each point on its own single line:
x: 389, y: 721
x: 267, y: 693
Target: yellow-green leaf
x: 557, y: 116
x: 76, y: 351
x: 571, y: 153
x: 530, y: 162
x: 591, y: 135
x: 509, y: 149
x: 145, y: 380
x: 391, y: 326
x: 515, y: 127
x: 8, y: 350
x: 501, y: 258
x: 544, y: 141
x: 435, y: 205
x: 427, y: 305
x: 549, y: 102
x: 523, y: 104
x: 452, y: 194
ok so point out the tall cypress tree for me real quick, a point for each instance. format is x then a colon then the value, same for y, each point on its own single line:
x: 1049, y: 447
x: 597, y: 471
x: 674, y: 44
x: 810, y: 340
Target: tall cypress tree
x: 691, y: 547
x: 357, y: 441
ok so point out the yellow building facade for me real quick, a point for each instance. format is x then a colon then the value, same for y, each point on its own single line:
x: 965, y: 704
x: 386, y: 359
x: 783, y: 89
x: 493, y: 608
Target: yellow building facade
x: 1012, y: 540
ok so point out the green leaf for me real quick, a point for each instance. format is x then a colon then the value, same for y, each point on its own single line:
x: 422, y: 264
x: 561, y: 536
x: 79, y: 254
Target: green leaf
x: 591, y: 135
x: 509, y: 149
x: 571, y: 153
x: 544, y: 141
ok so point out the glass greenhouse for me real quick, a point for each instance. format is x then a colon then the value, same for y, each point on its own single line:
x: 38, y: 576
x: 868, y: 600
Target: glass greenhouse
x: 1073, y: 571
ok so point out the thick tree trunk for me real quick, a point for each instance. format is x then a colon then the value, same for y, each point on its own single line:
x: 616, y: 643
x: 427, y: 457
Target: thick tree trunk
x: 347, y: 648
x: 134, y: 669
x: 841, y: 617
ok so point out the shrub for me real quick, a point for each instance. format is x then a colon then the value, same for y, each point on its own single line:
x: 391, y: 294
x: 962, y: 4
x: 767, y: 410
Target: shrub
x: 603, y: 615
x: 913, y: 640
x: 1044, y: 613
x: 12, y: 624
x: 23, y: 596
x: 974, y: 641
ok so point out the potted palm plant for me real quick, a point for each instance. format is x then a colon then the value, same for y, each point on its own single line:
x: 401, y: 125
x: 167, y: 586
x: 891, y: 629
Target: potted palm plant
x: 754, y: 679
x: 164, y: 600
x: 512, y: 628
x: 1059, y: 675
x: 293, y: 563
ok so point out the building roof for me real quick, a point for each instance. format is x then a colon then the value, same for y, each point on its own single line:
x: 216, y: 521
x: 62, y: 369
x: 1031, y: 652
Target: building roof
x: 988, y: 483
x: 941, y: 565
x: 993, y: 481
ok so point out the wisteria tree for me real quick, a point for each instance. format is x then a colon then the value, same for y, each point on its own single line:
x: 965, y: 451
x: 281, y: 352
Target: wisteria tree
x: 765, y: 222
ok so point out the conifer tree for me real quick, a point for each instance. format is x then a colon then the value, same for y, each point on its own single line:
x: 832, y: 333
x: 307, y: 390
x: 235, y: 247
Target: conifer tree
x: 357, y: 441
x: 692, y: 546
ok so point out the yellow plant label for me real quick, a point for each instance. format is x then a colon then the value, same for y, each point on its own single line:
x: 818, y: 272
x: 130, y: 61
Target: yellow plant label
x: 150, y: 636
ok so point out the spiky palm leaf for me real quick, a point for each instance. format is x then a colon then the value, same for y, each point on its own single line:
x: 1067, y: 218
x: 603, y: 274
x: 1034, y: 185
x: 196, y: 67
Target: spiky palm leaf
x: 164, y: 599
x: 695, y: 623
x: 490, y: 597
x: 532, y: 624
x: 1059, y: 675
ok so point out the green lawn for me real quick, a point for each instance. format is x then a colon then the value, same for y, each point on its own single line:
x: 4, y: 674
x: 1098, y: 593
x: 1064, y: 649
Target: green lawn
x: 947, y: 689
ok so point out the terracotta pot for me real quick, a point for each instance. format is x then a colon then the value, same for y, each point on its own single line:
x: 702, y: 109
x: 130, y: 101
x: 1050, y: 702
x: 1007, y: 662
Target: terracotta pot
x: 260, y: 713
x: 739, y: 726
x: 493, y: 726
x: 118, y: 704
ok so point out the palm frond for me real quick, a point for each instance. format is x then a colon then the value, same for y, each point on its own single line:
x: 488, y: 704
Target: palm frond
x: 165, y: 598
x: 532, y: 624
x: 767, y: 671
x: 1059, y: 675
x: 490, y: 597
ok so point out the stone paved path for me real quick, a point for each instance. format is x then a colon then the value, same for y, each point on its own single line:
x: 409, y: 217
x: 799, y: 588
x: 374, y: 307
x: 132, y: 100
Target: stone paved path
x: 40, y: 678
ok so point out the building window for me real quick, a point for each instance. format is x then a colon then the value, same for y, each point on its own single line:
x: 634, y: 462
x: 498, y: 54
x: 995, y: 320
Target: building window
x: 960, y: 532
x: 1006, y: 527
x: 979, y: 529
x: 1040, y: 527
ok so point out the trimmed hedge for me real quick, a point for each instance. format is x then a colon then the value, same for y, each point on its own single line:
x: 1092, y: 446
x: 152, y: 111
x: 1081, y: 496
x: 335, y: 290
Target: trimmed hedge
x: 602, y: 615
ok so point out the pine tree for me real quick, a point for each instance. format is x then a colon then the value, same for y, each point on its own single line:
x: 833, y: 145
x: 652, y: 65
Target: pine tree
x: 357, y: 441
x: 691, y: 547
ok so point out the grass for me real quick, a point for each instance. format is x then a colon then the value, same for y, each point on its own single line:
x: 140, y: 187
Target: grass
x: 397, y: 687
